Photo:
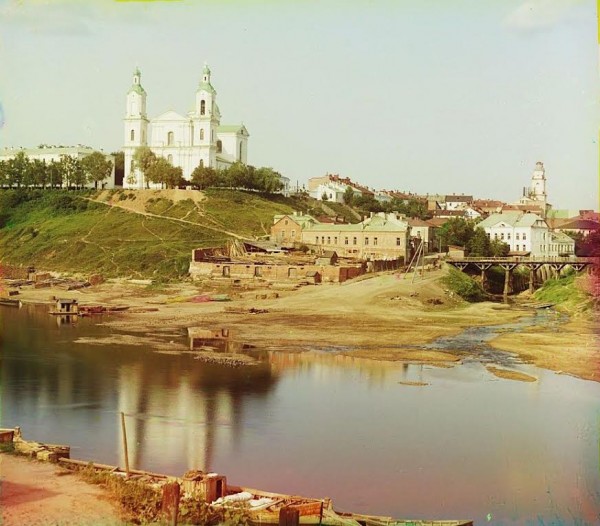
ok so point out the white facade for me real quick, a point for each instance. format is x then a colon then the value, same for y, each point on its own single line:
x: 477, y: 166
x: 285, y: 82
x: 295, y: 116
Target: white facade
x: 333, y: 190
x: 53, y: 154
x: 186, y: 141
x: 521, y: 232
x: 536, y: 194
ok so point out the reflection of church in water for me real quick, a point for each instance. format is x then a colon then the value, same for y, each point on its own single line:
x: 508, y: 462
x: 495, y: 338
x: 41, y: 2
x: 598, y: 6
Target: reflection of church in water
x: 183, y: 408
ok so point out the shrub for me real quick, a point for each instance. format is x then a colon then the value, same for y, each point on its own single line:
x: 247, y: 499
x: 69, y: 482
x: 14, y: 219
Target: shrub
x: 463, y: 285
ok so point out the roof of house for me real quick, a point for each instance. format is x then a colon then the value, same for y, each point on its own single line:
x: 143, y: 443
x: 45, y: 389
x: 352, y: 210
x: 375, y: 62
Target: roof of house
x: 458, y: 198
x: 376, y: 223
x: 580, y: 224
x: 416, y: 222
x: 513, y: 219
x: 232, y: 128
x: 300, y: 219
x: 561, y: 237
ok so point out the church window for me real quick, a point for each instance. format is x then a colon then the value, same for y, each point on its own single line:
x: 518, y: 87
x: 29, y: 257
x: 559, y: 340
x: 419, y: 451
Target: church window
x: 201, y: 134
x: 201, y: 163
x: 170, y: 158
x: 202, y: 107
x: 508, y: 235
x: 170, y: 138
x: 524, y: 236
x: 132, y: 135
x: 219, y: 146
x: 502, y: 236
x: 517, y: 236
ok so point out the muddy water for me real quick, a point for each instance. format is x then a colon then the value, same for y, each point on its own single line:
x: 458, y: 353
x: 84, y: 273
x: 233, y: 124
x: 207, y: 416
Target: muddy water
x: 466, y: 445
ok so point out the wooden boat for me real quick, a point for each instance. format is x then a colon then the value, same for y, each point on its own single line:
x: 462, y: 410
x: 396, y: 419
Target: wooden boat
x: 9, y: 302
x: 269, y: 508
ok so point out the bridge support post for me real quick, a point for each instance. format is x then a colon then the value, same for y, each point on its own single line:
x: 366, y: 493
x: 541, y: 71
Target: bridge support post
x: 508, y: 275
x: 483, y: 267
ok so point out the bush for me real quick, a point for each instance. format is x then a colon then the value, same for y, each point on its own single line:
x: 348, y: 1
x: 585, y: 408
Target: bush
x: 463, y: 285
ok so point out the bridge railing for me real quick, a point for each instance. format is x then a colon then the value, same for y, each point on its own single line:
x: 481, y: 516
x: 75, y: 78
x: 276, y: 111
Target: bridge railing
x: 526, y: 259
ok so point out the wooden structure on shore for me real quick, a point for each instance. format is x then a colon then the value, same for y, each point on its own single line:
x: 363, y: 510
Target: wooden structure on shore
x: 212, y: 489
x: 540, y: 268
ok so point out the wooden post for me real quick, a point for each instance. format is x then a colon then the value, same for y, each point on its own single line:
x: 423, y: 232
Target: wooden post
x: 531, y: 279
x: 483, y: 278
x: 507, y: 279
x: 170, y: 502
x: 289, y: 516
x: 125, y: 444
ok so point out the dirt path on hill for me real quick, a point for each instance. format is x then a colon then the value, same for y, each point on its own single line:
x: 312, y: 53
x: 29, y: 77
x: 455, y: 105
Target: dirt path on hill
x: 41, y: 494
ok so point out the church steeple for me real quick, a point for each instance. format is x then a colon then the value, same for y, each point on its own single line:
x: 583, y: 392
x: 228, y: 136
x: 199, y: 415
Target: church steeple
x: 205, y: 84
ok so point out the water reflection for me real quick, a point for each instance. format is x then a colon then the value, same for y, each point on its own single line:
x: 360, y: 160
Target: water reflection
x: 466, y: 445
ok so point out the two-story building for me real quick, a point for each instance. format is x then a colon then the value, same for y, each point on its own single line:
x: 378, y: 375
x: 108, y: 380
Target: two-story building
x: 523, y: 233
x: 381, y: 236
x: 287, y: 229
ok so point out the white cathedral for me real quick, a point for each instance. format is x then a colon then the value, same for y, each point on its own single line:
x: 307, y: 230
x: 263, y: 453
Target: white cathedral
x: 196, y: 140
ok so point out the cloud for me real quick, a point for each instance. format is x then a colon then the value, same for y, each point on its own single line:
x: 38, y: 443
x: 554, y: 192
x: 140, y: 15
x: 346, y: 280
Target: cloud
x: 533, y: 15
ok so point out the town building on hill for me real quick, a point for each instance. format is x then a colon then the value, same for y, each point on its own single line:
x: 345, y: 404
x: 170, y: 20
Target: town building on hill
x: 523, y: 233
x: 196, y: 139
x: 380, y: 236
x: 536, y: 196
x: 50, y: 154
x: 287, y: 228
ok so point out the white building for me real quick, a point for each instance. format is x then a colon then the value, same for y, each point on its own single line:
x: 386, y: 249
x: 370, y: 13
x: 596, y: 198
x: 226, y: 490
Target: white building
x: 50, y: 154
x: 186, y: 141
x: 524, y: 233
x: 333, y: 190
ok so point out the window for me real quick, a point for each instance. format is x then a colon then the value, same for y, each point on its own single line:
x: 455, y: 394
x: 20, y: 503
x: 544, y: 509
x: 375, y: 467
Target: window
x: 495, y: 235
x: 201, y: 134
x: 489, y: 235
x: 354, y: 241
x: 502, y: 235
x: 202, y: 107
x: 219, y: 146
x: 508, y: 236
x: 335, y: 240
x: 201, y: 163
x: 317, y: 240
x: 241, y: 148
x: 366, y: 240
x: 524, y: 236
x: 374, y: 241
x: 328, y: 240
x: 132, y: 135
x: 398, y: 241
x: 170, y: 138
x: 345, y: 241
x: 286, y: 221
x: 322, y: 240
x: 170, y: 158
x: 517, y: 236
x: 293, y: 233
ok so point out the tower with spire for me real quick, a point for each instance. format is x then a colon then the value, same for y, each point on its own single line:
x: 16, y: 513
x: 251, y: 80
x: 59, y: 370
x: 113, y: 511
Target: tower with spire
x: 135, y: 128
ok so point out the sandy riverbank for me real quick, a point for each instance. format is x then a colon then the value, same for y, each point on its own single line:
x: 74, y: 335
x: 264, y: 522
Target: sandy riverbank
x: 371, y: 318
x: 38, y: 493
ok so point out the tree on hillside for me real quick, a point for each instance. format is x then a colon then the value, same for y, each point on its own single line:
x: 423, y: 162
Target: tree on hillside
x: 97, y: 167
x: 39, y: 172
x: 4, y: 170
x: 72, y: 171
x: 163, y: 172
x: 55, y: 174
x: 237, y: 174
x: 267, y: 180
x: 204, y: 177
x: 143, y: 159
x: 349, y: 195
x: 17, y: 169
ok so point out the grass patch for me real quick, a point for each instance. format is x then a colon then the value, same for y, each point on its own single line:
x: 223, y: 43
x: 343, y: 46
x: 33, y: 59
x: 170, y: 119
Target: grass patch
x: 463, y: 285
x: 565, y: 294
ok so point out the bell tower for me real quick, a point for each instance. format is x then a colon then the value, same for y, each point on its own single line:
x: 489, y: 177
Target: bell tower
x: 537, y: 190
x: 136, y: 130
x: 206, y: 120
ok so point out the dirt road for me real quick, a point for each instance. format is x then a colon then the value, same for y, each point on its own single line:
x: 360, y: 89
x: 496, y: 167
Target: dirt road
x: 40, y: 494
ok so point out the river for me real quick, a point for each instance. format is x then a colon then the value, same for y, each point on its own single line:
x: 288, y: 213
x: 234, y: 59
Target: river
x: 466, y: 445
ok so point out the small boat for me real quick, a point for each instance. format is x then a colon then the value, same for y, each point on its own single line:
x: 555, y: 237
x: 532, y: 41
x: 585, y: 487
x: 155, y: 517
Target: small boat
x: 9, y: 302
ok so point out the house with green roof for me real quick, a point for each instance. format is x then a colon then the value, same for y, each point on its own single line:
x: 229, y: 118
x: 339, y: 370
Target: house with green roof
x: 287, y: 228
x: 524, y: 233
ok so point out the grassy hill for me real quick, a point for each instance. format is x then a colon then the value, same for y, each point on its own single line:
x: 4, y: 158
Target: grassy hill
x: 148, y: 233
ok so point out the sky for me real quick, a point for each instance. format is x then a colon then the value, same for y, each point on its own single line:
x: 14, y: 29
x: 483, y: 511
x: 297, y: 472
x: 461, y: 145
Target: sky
x: 425, y: 96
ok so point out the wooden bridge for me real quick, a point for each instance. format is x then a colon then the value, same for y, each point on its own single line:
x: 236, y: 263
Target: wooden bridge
x: 546, y: 266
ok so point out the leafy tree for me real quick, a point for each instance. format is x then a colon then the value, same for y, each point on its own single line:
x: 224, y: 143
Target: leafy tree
x: 97, y: 167
x: 119, y: 166
x: 204, y: 177
x: 238, y: 175
x: 479, y: 244
x: 72, y: 171
x: 17, y: 168
x: 349, y: 195
x: 143, y: 159
x: 4, y: 173
x: 267, y: 180
x: 174, y: 177
x: 498, y: 248
x: 39, y: 172
x: 324, y: 197
x: 55, y: 174
x: 163, y: 172
x: 456, y: 231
